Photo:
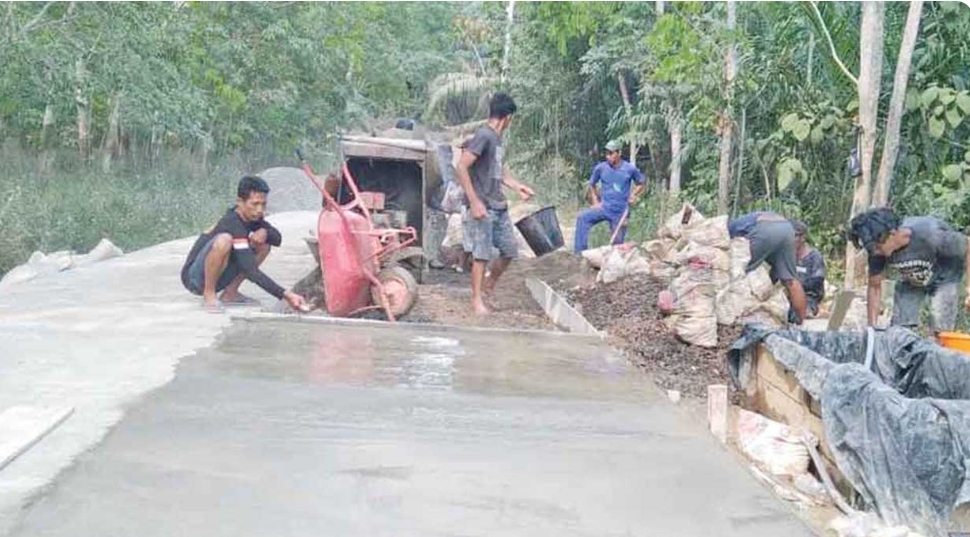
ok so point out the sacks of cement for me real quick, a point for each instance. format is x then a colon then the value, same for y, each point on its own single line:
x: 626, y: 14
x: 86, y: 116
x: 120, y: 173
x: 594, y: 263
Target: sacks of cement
x: 711, y: 232
x: 620, y: 262
x: 774, y: 446
x: 656, y: 250
x: 740, y: 252
x: 693, y: 318
x: 595, y: 256
x: 41, y: 264
x: 740, y: 295
x: 674, y: 226
x: 103, y: 250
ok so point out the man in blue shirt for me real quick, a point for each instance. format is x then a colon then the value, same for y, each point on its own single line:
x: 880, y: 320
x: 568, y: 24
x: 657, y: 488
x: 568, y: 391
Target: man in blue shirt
x: 620, y: 184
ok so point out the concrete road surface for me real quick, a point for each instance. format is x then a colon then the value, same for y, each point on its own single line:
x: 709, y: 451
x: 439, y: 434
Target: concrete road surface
x: 97, y: 338
x: 313, y: 428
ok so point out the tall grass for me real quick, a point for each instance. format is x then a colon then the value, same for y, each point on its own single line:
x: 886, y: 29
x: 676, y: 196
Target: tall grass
x: 71, y: 205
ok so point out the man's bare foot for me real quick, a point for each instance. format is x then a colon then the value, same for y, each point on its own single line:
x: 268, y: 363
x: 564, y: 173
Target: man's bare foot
x: 479, y: 307
x: 488, y: 298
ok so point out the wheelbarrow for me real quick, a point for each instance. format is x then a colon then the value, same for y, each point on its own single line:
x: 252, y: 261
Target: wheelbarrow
x: 359, y: 272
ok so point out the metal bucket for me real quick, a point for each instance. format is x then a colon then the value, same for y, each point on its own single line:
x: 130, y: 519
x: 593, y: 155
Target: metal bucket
x: 541, y: 231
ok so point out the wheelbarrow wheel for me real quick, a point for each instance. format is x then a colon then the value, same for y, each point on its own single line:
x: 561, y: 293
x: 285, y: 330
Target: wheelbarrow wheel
x: 411, y: 258
x: 400, y: 288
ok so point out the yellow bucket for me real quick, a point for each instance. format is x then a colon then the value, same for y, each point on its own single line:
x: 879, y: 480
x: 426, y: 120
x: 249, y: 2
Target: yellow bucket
x: 957, y: 341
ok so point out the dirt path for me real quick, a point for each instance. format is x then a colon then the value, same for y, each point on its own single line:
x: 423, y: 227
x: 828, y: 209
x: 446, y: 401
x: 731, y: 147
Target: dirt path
x: 446, y: 295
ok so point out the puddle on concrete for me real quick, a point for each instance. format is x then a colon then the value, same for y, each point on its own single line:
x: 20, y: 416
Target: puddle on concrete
x: 435, y: 359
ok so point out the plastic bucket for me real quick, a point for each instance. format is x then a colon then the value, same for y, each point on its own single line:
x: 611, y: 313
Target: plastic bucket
x: 957, y: 341
x: 541, y: 231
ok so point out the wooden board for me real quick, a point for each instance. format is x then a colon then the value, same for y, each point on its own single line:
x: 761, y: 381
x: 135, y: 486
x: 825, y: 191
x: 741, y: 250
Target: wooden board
x: 840, y: 307
x: 775, y: 393
x: 559, y: 310
x: 21, y: 427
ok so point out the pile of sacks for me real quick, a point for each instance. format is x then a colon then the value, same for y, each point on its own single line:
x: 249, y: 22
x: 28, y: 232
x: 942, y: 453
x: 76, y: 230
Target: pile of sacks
x: 706, y: 270
x: 41, y: 264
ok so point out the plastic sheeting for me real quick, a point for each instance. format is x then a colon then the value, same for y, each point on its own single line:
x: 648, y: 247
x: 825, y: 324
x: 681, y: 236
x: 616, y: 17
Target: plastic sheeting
x: 899, y: 429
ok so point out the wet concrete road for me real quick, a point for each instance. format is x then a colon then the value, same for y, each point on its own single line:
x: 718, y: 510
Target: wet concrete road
x: 301, y: 428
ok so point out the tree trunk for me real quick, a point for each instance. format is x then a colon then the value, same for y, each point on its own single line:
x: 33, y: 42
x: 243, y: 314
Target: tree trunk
x: 674, y: 125
x: 628, y: 106
x: 46, y: 136
x: 155, y: 145
x: 660, y: 7
x: 740, y: 166
x: 870, y: 73
x: 82, y: 105
x: 811, y: 59
x: 726, y: 125
x: 890, y: 149
x: 112, y: 137
x: 510, y: 11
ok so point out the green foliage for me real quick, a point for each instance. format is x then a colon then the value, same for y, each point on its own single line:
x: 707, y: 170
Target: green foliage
x: 222, y: 77
x: 207, y: 91
x: 73, y: 208
x: 200, y: 83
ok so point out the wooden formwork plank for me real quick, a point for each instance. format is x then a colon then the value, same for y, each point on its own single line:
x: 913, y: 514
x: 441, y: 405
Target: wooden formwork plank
x: 775, y: 393
x: 558, y: 309
x: 21, y: 427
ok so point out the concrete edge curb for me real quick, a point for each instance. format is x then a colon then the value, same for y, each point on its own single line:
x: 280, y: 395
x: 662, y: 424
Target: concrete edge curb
x: 559, y: 310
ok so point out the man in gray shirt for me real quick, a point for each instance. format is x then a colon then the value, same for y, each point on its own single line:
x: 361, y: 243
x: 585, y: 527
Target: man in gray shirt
x: 486, y: 222
x: 771, y: 240
x: 929, y: 257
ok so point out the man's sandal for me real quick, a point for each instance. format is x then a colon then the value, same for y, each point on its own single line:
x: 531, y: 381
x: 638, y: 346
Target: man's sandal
x: 241, y: 300
x: 218, y: 307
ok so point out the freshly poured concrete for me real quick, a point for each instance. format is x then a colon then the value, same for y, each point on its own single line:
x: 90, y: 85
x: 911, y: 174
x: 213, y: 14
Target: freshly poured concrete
x: 307, y: 428
x: 99, y: 337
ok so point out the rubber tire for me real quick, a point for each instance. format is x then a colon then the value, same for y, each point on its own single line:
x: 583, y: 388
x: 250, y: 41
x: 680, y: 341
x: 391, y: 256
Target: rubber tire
x: 412, y: 258
x: 402, y: 275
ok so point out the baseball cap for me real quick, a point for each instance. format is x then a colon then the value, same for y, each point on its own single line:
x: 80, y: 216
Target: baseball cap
x: 613, y: 146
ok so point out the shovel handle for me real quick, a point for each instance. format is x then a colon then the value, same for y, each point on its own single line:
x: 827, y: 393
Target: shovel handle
x: 626, y: 213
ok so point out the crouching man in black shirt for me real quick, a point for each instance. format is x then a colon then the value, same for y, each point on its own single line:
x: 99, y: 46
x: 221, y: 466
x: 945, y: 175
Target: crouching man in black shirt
x: 232, y: 250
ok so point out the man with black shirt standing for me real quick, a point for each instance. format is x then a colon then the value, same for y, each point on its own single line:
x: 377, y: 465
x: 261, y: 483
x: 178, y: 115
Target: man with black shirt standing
x: 232, y: 250
x: 486, y: 223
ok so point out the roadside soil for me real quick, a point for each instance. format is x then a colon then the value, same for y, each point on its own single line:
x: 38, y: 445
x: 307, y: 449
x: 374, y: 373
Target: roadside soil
x: 627, y: 310
x: 445, y: 297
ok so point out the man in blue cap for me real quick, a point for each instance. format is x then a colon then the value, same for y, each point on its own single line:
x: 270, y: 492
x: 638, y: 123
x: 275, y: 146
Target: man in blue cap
x: 620, y: 184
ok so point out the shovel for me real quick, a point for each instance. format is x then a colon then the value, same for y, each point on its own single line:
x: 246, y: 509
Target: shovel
x: 619, y: 225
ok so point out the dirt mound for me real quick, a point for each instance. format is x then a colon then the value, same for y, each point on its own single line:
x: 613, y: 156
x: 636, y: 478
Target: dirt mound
x: 560, y: 269
x: 290, y: 190
x: 627, y: 310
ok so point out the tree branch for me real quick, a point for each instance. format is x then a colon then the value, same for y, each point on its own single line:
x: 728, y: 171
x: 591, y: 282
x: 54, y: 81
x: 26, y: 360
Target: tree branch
x: 828, y: 38
x: 33, y: 22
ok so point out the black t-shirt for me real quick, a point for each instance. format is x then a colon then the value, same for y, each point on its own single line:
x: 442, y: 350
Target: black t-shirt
x: 810, y: 271
x: 936, y: 253
x: 242, y: 253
